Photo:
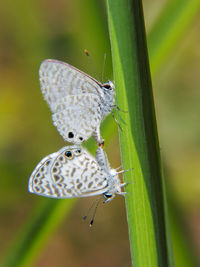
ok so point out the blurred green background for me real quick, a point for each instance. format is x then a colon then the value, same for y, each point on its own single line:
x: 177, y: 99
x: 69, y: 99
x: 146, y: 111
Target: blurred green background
x: 31, y: 31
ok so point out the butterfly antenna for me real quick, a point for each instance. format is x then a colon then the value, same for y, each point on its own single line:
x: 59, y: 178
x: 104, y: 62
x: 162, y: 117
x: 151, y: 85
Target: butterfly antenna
x: 95, y: 209
x: 85, y: 217
x: 104, y: 63
x: 90, y: 208
x: 91, y: 62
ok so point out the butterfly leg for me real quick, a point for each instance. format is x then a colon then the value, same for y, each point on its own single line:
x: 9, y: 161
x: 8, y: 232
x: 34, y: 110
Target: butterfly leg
x: 98, y: 138
x: 116, y: 120
x: 119, y: 109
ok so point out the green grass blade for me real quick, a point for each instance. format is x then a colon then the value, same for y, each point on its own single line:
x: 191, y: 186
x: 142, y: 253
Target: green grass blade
x: 30, y: 241
x: 169, y: 28
x: 19, y: 256
x: 150, y: 245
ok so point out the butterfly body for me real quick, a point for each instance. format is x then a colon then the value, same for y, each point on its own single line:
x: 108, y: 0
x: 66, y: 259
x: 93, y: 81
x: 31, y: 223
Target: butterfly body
x: 78, y: 102
x: 72, y: 173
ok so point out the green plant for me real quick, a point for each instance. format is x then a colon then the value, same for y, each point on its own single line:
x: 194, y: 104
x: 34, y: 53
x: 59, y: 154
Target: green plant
x: 149, y: 238
x: 47, y: 218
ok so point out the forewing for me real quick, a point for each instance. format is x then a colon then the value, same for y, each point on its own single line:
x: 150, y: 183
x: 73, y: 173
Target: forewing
x: 59, y: 79
x: 77, y: 117
x: 73, y: 172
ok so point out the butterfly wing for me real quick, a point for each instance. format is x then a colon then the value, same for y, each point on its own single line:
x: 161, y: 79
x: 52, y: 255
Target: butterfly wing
x: 77, y: 117
x: 39, y: 179
x: 59, y: 79
x: 70, y: 172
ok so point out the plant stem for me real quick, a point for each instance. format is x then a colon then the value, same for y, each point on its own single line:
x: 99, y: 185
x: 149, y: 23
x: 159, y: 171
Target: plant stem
x: 146, y: 205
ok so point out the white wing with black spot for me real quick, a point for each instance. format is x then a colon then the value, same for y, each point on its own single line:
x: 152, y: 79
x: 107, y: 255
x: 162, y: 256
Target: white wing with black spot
x: 69, y: 173
x: 77, y: 117
x: 78, y: 102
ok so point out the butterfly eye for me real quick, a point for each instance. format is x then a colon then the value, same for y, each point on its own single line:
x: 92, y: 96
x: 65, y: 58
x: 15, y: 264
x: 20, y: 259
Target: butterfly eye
x: 68, y: 154
x: 107, y: 86
x: 107, y: 196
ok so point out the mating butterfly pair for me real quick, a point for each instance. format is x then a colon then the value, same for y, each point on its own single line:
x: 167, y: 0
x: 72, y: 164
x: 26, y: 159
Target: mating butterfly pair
x: 79, y: 103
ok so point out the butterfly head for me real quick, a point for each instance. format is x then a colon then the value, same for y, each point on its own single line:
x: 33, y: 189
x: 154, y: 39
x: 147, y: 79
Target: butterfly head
x: 109, y: 86
x: 114, y: 186
x: 108, y: 96
x: 109, y: 90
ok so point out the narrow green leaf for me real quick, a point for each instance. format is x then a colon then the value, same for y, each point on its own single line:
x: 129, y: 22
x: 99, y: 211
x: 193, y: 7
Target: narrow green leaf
x: 169, y: 28
x: 150, y: 244
x: 33, y: 238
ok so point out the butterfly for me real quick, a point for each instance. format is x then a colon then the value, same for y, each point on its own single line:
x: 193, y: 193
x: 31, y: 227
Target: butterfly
x: 73, y: 172
x: 78, y: 102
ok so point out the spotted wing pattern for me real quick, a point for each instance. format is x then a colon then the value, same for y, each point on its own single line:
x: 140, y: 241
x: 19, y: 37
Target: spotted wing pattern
x: 75, y: 99
x: 70, y: 172
x: 77, y: 117
x: 59, y: 79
